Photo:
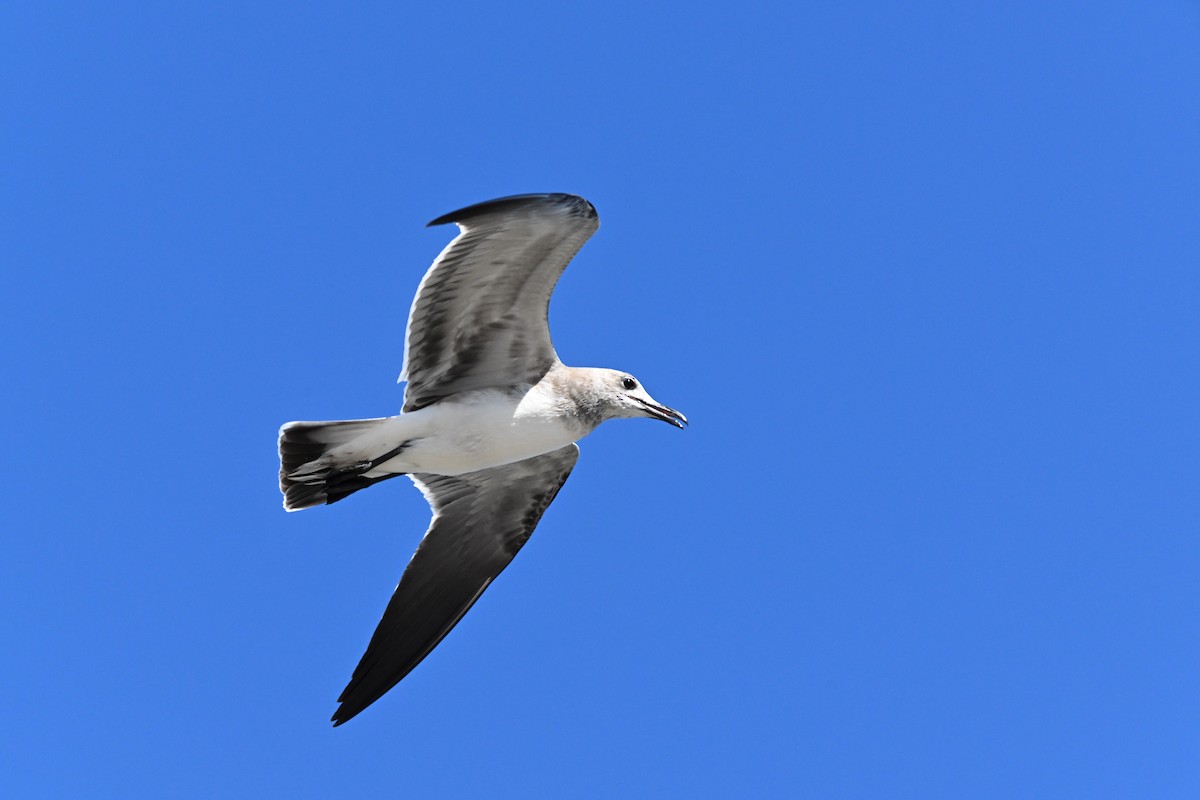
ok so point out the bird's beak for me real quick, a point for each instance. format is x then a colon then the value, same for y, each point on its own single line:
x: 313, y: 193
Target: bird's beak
x: 665, y: 413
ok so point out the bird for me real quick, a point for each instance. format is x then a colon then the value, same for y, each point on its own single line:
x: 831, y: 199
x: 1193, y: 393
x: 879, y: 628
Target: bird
x: 487, y: 430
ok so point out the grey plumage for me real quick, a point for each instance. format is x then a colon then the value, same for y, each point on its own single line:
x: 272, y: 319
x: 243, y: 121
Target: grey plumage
x: 480, y: 315
x: 488, y: 425
x: 480, y: 521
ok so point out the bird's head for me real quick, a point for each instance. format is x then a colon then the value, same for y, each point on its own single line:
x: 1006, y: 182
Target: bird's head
x: 625, y: 397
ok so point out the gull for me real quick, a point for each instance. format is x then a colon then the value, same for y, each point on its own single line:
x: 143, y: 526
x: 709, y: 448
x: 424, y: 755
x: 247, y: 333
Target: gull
x: 488, y: 427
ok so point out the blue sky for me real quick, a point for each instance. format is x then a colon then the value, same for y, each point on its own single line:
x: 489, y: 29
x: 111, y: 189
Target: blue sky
x: 923, y: 276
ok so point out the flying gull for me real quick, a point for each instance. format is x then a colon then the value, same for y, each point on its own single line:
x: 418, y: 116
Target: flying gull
x: 488, y: 427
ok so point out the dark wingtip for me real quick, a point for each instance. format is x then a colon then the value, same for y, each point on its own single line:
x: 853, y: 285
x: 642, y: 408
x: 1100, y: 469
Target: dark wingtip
x: 565, y: 201
x: 345, y: 712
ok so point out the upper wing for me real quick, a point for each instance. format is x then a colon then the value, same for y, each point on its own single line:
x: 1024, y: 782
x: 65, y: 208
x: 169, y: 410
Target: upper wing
x: 479, y: 317
x: 480, y: 521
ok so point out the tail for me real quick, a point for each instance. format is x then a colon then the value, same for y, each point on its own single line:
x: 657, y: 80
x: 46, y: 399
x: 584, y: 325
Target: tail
x: 311, y: 475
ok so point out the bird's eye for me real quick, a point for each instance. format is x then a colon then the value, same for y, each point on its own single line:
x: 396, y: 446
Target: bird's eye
x: 629, y: 383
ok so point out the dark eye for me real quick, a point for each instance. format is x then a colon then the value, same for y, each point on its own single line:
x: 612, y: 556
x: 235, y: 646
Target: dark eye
x: 629, y: 383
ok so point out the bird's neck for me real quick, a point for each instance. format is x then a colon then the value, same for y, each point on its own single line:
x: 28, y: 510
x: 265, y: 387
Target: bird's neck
x: 570, y: 385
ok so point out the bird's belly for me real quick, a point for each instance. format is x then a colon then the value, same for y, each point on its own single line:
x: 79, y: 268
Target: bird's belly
x: 469, y: 437
x: 469, y: 450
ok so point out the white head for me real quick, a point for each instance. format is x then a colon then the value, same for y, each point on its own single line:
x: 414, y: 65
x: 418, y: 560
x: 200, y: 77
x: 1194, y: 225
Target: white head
x: 618, y: 395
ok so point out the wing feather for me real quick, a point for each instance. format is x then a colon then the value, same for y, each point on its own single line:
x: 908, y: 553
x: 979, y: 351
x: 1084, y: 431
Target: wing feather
x: 479, y: 318
x: 480, y: 521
